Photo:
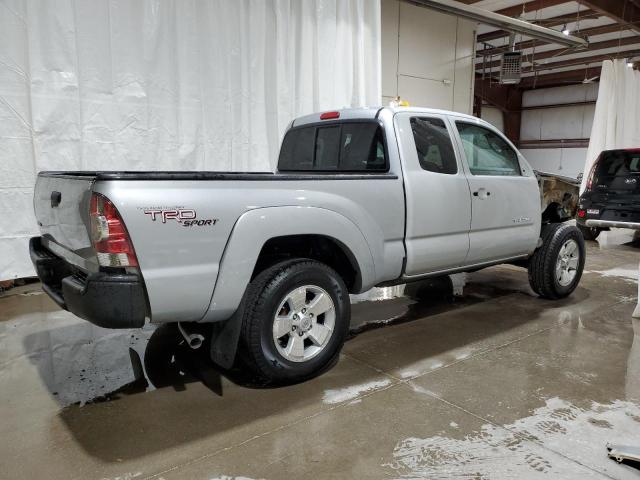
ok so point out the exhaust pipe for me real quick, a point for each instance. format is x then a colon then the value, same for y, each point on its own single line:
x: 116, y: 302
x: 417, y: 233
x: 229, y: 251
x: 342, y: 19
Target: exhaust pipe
x: 194, y: 340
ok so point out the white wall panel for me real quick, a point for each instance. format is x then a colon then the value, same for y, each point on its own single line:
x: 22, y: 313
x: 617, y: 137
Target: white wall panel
x: 562, y: 122
x: 530, y: 125
x: 427, y: 57
x: 563, y: 161
x: 559, y: 95
x: 389, y: 47
x: 494, y: 116
x: 464, y: 74
x: 557, y: 123
x: 426, y: 93
x: 427, y: 43
x: 587, y: 120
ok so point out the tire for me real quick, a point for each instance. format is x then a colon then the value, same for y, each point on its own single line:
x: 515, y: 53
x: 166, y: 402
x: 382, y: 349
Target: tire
x: 556, y: 267
x: 287, y: 290
x: 589, y: 233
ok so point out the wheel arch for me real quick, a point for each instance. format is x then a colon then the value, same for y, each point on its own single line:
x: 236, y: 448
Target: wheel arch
x: 261, y: 230
x: 555, y: 213
x: 320, y: 247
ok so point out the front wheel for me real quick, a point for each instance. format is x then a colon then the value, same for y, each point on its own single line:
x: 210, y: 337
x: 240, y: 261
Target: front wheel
x: 295, y: 321
x: 556, y: 267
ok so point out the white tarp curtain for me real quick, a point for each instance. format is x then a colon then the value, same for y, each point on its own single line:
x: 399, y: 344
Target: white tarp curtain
x: 616, y: 122
x: 166, y: 85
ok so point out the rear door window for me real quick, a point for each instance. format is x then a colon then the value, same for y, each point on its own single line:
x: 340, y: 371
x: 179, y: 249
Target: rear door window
x: 433, y: 145
x: 343, y: 147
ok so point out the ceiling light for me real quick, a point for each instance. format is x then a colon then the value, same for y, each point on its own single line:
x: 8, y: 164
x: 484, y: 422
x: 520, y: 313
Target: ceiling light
x: 566, y: 31
x: 630, y: 64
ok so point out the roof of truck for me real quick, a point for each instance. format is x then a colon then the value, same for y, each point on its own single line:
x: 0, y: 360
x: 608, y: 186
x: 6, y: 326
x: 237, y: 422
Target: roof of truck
x: 370, y: 113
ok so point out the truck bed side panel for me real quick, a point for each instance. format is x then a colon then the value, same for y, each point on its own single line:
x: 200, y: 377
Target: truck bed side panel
x: 180, y: 260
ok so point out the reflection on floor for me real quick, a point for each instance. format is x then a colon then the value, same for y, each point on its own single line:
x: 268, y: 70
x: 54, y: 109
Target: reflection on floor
x: 472, y: 376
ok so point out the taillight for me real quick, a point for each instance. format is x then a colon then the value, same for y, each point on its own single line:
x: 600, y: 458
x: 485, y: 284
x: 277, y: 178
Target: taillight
x: 582, y: 213
x: 592, y: 174
x: 109, y: 235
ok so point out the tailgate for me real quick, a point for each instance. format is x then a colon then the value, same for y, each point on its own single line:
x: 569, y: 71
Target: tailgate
x: 61, y: 204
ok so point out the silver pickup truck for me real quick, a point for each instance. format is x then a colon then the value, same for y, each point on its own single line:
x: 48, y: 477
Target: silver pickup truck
x: 265, y: 262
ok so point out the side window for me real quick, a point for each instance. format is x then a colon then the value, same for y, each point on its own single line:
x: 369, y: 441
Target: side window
x: 346, y: 147
x: 487, y: 153
x: 433, y: 144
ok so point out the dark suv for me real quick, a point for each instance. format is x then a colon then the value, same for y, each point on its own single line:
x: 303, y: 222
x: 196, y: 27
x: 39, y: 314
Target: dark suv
x: 612, y: 194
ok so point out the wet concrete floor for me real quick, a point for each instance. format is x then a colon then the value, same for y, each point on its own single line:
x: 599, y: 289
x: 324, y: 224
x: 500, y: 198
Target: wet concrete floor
x: 472, y: 377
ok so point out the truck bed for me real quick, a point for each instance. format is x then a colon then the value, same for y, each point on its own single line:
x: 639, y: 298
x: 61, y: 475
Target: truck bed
x: 210, y: 175
x: 188, y: 255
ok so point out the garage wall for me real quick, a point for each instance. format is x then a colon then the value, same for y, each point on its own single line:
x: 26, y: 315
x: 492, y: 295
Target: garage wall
x: 494, y: 116
x: 427, y: 57
x: 171, y: 85
x: 570, y: 124
x: 563, y: 161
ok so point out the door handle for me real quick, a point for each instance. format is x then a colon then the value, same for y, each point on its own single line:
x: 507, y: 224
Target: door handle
x: 482, y: 193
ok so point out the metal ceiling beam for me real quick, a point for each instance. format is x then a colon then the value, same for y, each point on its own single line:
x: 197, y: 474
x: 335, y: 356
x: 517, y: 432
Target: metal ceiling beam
x: 593, y: 47
x: 582, y: 61
x: 501, y: 21
x: 559, y: 78
x: 622, y: 11
x: 549, y: 22
x: 586, y: 33
x: 528, y: 7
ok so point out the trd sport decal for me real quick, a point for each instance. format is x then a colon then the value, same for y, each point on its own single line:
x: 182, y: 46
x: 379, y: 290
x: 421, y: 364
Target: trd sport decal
x: 186, y: 217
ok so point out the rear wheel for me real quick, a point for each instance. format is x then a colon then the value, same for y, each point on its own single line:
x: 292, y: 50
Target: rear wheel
x: 296, y: 318
x: 589, y: 233
x: 556, y: 267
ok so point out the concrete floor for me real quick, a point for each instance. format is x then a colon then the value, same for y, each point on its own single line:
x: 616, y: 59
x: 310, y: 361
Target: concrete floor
x: 495, y: 383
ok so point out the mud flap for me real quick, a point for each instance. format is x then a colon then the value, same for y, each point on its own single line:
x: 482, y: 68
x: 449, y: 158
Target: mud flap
x: 224, y: 339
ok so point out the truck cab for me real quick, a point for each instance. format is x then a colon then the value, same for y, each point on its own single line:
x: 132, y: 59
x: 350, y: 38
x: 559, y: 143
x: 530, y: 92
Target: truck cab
x: 471, y: 198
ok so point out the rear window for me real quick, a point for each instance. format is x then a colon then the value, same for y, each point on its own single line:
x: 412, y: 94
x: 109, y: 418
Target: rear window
x: 618, y: 163
x: 343, y: 147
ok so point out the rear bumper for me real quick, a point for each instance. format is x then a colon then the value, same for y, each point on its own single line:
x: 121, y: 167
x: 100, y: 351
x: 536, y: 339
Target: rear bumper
x: 104, y: 299
x: 612, y: 224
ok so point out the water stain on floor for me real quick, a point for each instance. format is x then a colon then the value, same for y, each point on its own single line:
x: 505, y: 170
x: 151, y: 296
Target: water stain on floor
x: 499, y: 451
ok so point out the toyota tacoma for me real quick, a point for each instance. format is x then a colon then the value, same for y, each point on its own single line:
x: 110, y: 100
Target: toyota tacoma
x: 265, y: 262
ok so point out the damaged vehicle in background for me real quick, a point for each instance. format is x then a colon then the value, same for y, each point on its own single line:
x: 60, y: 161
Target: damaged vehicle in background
x: 361, y: 198
x: 559, y: 196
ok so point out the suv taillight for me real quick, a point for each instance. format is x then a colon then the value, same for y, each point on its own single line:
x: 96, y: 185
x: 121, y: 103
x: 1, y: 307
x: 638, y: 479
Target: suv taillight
x: 592, y: 173
x: 109, y: 235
